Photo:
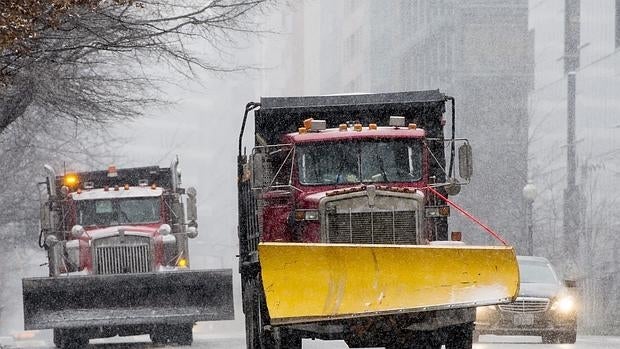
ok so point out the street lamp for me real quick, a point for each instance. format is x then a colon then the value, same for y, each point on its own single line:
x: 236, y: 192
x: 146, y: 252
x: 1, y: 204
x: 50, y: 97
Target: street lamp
x: 529, y: 194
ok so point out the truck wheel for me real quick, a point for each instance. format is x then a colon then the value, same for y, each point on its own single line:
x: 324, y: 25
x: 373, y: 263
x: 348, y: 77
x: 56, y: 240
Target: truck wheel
x: 460, y: 336
x: 182, y: 334
x: 416, y: 340
x: 252, y: 318
x: 289, y: 339
x: 158, y: 337
x: 69, y: 339
x: 57, y: 334
x: 255, y: 316
x: 427, y: 340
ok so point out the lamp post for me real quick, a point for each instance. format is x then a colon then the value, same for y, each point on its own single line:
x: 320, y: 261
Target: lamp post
x: 529, y: 194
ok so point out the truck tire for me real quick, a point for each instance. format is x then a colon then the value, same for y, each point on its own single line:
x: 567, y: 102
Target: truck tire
x: 255, y: 317
x: 252, y: 319
x: 69, y: 339
x: 182, y: 334
x: 160, y: 335
x: 288, y: 339
x: 460, y: 336
x: 56, y: 337
x: 179, y: 334
x: 416, y: 340
x: 158, y: 338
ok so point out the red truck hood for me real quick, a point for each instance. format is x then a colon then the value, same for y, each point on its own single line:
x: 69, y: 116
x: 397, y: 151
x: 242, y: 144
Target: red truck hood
x: 311, y: 197
x: 145, y: 230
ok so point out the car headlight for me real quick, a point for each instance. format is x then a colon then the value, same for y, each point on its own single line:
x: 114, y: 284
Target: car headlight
x: 564, y: 304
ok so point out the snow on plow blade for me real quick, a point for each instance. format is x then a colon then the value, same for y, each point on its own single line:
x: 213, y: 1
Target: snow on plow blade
x: 128, y: 299
x: 315, y: 282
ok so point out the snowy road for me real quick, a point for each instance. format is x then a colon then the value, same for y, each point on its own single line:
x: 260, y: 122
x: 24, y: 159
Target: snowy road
x: 238, y: 342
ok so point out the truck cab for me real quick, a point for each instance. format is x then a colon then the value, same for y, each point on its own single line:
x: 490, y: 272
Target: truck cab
x: 361, y: 184
x: 118, y: 259
x: 117, y: 221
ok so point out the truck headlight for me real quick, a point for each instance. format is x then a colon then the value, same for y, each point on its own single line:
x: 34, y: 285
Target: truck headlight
x: 164, y: 229
x: 307, y: 215
x: 168, y: 239
x: 564, y: 305
x: 77, y: 231
x: 437, y: 211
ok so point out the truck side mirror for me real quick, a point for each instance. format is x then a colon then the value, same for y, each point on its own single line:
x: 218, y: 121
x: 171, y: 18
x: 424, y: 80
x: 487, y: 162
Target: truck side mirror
x: 175, y: 174
x: 259, y: 170
x: 466, y: 167
x: 192, y: 211
x: 271, y: 166
x: 45, y: 217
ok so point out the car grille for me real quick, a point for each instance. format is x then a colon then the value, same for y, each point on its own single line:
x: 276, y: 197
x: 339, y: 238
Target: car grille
x: 112, y: 257
x: 375, y: 227
x: 526, y: 305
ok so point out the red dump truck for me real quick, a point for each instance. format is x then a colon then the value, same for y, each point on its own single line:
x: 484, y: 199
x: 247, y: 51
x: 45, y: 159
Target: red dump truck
x: 118, y: 257
x: 343, y: 230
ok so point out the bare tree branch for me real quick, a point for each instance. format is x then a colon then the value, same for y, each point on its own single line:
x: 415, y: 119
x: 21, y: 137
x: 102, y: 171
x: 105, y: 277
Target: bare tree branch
x: 89, y: 60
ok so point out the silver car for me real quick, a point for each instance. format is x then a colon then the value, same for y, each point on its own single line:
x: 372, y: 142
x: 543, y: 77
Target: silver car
x: 545, y: 306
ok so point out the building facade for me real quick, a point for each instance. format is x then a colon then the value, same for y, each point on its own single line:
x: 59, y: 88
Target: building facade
x: 504, y: 61
x: 588, y: 252
x: 477, y: 51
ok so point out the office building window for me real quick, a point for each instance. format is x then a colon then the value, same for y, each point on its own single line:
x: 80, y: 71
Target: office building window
x: 617, y: 23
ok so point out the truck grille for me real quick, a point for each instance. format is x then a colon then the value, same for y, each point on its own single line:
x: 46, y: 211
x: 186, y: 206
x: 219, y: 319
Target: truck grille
x: 373, y: 227
x: 120, y: 259
x: 526, y: 305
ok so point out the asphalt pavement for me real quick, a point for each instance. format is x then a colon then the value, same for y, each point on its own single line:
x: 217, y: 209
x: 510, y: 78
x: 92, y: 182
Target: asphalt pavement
x: 237, y: 341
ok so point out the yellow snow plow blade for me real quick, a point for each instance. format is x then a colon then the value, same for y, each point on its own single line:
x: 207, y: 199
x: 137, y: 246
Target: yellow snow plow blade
x: 315, y: 282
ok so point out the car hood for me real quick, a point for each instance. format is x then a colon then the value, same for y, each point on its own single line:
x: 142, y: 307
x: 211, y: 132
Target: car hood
x: 539, y: 290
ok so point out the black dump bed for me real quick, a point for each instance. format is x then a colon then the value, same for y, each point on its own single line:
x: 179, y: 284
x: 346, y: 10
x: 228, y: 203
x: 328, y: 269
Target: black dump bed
x: 281, y: 115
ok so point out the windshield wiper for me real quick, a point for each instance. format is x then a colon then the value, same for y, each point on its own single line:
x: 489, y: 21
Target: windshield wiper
x: 340, y: 168
x: 383, y: 173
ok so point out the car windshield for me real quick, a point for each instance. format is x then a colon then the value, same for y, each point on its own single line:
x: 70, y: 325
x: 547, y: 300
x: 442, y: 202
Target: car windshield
x: 536, y: 272
x: 360, y: 161
x: 109, y: 212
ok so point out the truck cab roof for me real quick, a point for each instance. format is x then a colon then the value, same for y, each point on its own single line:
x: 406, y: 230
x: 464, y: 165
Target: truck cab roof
x: 278, y: 116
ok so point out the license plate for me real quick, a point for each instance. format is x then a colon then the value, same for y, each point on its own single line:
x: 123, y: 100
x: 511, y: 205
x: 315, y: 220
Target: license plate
x: 523, y: 319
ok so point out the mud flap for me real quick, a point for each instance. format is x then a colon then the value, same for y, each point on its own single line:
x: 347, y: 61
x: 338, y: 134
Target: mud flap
x: 315, y: 282
x: 128, y: 299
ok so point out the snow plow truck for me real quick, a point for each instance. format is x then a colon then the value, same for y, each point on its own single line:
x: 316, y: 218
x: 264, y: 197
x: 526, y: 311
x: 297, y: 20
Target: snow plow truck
x: 343, y: 225
x: 117, y: 246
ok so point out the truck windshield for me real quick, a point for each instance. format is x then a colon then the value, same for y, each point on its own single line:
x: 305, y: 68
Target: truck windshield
x: 360, y: 161
x: 109, y: 212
